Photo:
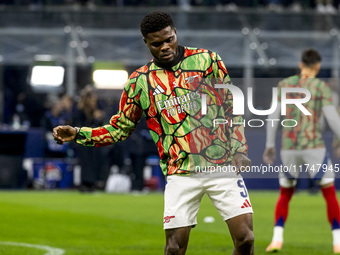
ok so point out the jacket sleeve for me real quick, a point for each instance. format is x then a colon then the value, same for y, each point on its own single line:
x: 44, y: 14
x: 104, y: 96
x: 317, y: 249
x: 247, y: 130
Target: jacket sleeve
x: 121, y: 125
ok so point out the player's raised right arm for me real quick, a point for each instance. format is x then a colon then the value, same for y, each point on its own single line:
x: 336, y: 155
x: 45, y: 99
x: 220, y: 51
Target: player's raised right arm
x: 120, y: 127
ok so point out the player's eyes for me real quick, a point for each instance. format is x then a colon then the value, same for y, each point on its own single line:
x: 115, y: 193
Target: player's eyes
x: 156, y: 44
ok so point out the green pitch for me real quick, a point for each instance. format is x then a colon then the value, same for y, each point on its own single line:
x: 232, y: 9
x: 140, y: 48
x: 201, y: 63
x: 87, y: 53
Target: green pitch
x: 100, y: 224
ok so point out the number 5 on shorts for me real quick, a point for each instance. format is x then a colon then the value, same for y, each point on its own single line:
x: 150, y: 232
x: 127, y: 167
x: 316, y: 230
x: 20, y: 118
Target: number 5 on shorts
x: 243, y: 193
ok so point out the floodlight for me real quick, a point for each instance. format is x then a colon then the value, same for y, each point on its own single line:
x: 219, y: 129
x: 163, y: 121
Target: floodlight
x: 110, y: 79
x: 47, y: 76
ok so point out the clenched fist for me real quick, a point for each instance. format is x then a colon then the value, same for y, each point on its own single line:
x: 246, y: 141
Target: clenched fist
x: 64, y: 134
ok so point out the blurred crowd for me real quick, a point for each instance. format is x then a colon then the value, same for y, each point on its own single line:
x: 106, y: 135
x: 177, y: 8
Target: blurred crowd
x: 96, y: 165
x: 321, y: 6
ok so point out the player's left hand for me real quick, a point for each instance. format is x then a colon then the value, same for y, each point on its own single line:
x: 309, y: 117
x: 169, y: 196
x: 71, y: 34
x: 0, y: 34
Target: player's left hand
x: 241, y: 161
x: 269, y: 156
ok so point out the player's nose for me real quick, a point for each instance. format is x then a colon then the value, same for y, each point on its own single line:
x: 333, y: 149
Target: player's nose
x: 165, y: 47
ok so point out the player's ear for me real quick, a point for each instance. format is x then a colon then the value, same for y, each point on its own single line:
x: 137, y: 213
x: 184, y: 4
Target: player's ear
x: 317, y: 66
x: 300, y: 65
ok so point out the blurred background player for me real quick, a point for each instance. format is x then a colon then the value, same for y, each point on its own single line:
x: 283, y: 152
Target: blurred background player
x: 303, y: 144
x: 180, y: 136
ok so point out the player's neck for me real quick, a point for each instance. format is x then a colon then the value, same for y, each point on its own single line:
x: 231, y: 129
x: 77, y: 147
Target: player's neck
x: 308, y: 73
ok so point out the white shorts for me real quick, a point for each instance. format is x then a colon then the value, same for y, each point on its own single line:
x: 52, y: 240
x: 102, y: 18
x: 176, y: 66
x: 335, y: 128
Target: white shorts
x: 315, y: 162
x: 183, y: 196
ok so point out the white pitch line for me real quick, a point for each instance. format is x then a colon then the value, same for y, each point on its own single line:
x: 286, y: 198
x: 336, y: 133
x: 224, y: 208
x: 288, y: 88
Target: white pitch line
x: 50, y: 250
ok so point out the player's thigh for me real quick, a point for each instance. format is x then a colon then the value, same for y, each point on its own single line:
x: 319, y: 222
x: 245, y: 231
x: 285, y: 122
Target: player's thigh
x: 319, y: 165
x: 291, y: 159
x: 229, y: 196
x: 182, y: 198
x: 314, y: 157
